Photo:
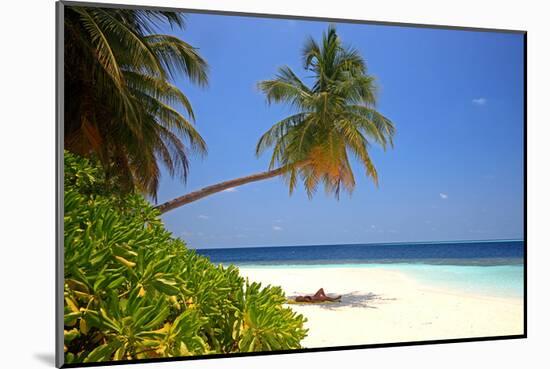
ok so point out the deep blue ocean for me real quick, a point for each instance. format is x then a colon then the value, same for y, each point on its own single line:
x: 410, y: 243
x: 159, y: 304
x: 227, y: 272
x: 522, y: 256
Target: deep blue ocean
x: 482, y: 253
x: 484, y: 267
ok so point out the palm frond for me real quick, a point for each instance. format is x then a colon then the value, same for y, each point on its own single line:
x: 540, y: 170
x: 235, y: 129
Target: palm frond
x: 286, y: 87
x: 137, y: 51
x: 278, y: 132
x: 334, y: 116
x: 122, y: 105
x: 375, y: 124
x: 160, y: 89
x: 177, y: 56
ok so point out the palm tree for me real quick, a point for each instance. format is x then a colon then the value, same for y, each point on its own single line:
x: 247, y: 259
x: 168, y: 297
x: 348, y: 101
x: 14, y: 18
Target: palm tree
x: 120, y: 106
x: 335, y: 117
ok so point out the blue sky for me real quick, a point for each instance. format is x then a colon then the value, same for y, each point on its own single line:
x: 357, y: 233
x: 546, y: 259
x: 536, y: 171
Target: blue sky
x: 455, y: 173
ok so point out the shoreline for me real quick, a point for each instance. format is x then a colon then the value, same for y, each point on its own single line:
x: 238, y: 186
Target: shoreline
x: 478, y: 275
x: 386, y: 305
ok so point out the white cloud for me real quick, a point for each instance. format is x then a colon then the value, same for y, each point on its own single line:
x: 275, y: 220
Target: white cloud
x: 444, y: 196
x: 277, y: 228
x: 231, y: 189
x: 203, y: 217
x: 480, y: 101
x: 373, y: 228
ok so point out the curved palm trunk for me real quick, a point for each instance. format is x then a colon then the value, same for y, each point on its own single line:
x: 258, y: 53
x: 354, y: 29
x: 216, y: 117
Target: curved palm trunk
x: 209, y: 190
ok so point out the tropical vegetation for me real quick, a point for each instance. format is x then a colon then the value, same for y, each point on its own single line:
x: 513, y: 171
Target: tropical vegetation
x: 335, y: 117
x: 133, y: 291
x: 121, y: 105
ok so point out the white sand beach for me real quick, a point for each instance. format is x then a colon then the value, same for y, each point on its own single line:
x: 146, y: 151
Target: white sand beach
x: 384, y: 306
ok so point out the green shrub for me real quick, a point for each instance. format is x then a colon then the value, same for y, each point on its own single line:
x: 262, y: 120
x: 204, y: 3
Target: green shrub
x: 132, y: 291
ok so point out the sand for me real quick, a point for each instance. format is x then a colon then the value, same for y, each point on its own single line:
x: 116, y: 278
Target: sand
x: 384, y: 306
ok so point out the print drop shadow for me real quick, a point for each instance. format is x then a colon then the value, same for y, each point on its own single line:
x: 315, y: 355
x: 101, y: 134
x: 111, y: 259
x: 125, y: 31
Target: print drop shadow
x: 45, y: 358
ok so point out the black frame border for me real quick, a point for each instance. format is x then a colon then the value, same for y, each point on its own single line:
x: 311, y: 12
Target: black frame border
x: 59, y: 242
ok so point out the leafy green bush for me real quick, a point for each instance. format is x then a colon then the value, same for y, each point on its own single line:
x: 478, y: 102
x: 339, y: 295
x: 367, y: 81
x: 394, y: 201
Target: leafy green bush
x: 132, y: 291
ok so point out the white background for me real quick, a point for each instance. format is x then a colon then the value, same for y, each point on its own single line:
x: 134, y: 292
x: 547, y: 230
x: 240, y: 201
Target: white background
x: 27, y: 181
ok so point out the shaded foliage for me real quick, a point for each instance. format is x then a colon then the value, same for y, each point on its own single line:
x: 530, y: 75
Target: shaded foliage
x: 121, y: 105
x: 132, y: 291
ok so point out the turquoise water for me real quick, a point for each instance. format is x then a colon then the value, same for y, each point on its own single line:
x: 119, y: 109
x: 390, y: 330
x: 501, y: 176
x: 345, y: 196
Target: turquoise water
x: 498, y: 281
x: 491, y: 268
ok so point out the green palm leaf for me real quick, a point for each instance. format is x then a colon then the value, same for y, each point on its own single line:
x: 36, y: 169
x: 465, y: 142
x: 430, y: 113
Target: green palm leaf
x: 121, y: 104
x: 334, y: 117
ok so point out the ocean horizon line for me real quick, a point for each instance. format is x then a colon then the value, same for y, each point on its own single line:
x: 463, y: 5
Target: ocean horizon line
x: 364, y: 244
x: 425, y: 262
